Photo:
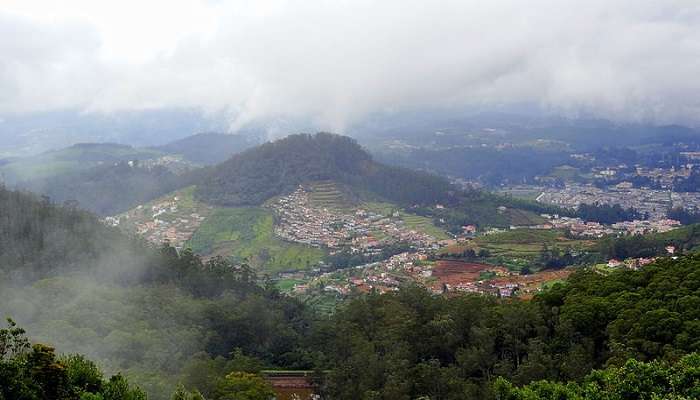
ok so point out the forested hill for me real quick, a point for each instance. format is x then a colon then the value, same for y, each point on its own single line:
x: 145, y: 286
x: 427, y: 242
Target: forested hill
x: 278, y: 167
x: 162, y: 318
x: 39, y: 239
x: 153, y: 315
x: 207, y: 148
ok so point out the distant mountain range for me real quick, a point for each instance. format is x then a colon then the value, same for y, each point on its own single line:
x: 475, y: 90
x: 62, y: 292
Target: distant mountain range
x: 208, y: 148
x: 107, y: 177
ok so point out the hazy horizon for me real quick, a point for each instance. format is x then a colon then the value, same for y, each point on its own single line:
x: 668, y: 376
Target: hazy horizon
x: 330, y: 66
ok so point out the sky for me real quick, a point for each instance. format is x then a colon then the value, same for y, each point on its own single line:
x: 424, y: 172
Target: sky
x: 336, y: 62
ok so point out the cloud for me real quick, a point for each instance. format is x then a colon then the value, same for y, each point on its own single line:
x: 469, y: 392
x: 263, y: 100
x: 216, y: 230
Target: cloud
x: 336, y: 62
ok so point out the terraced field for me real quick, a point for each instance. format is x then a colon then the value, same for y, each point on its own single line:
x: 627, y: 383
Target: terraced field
x: 247, y: 233
x: 519, y: 247
x: 328, y: 195
x: 423, y: 224
x: 523, y: 217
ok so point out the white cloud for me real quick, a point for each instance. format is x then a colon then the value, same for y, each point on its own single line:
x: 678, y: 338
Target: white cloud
x: 336, y: 61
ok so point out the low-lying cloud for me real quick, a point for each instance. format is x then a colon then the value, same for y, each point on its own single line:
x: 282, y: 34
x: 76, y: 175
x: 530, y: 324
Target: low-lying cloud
x: 336, y: 62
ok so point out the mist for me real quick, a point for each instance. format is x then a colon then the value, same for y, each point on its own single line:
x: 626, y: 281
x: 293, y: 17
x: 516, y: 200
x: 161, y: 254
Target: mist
x: 336, y: 64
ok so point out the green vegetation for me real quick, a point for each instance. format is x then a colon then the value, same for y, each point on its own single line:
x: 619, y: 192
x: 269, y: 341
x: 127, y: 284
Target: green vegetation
x: 411, y: 344
x: 163, y: 319
x: 111, y: 189
x: 474, y: 207
x: 527, y: 247
x: 412, y: 221
x: 606, y: 214
x: 275, y: 168
x: 634, y: 380
x: 247, y: 233
x: 329, y: 195
x: 36, y: 372
x: 685, y: 239
x: 423, y: 224
x: 490, y: 165
x: 79, y: 157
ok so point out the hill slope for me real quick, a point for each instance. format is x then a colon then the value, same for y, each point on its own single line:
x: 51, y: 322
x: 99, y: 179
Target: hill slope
x: 252, y: 177
x: 256, y: 175
x: 207, y: 148
x: 78, y: 157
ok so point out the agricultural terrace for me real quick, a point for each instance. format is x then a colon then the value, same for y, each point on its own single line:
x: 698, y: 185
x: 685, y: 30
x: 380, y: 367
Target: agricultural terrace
x: 247, y: 233
x: 519, y: 247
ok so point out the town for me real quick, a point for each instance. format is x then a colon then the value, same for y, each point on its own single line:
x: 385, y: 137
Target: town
x: 359, y: 230
x: 173, y: 219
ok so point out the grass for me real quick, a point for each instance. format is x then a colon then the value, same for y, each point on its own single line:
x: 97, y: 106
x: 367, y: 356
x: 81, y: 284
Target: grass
x: 286, y: 285
x: 412, y: 221
x: 525, y: 194
x: 324, y: 303
x: 247, y: 233
x: 379, y: 207
x: 523, y: 217
x: 423, y: 224
x: 327, y: 194
x: 526, y: 244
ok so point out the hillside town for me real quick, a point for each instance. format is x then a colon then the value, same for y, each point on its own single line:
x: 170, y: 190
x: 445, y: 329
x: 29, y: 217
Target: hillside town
x: 442, y: 277
x: 173, y: 219
x: 298, y: 220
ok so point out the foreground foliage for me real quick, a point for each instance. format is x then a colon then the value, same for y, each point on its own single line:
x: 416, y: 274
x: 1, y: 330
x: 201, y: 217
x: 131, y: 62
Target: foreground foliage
x: 164, y: 318
x: 412, y: 344
x: 634, y: 380
x: 35, y: 372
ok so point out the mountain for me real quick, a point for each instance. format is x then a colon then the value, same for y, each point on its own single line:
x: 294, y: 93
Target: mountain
x: 163, y: 318
x: 207, y: 148
x: 113, y: 188
x: 78, y: 157
x: 26, y: 134
x: 108, y: 178
x: 153, y: 315
x: 275, y: 168
x: 38, y: 239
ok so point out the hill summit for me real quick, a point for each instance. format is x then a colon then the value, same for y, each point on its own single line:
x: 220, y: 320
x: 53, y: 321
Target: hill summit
x: 275, y: 168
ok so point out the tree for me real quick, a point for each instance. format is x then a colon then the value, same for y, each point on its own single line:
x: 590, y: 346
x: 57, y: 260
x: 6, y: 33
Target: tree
x: 243, y: 386
x: 634, y: 380
x: 182, y: 394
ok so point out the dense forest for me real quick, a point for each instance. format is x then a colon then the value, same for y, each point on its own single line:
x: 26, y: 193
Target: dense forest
x: 158, y: 319
x: 154, y: 315
x: 411, y: 344
x: 606, y: 214
x: 685, y: 240
x: 634, y: 380
x: 278, y: 167
x: 111, y: 189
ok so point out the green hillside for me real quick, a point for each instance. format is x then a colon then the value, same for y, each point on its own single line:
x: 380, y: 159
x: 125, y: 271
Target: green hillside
x: 341, y: 173
x: 276, y: 168
x: 247, y: 232
x: 75, y: 158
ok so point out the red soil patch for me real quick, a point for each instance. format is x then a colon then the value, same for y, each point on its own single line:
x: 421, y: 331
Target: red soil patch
x: 455, y: 272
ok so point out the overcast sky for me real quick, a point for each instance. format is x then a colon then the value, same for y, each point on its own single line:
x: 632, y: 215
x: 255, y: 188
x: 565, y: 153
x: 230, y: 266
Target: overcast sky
x: 336, y: 61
